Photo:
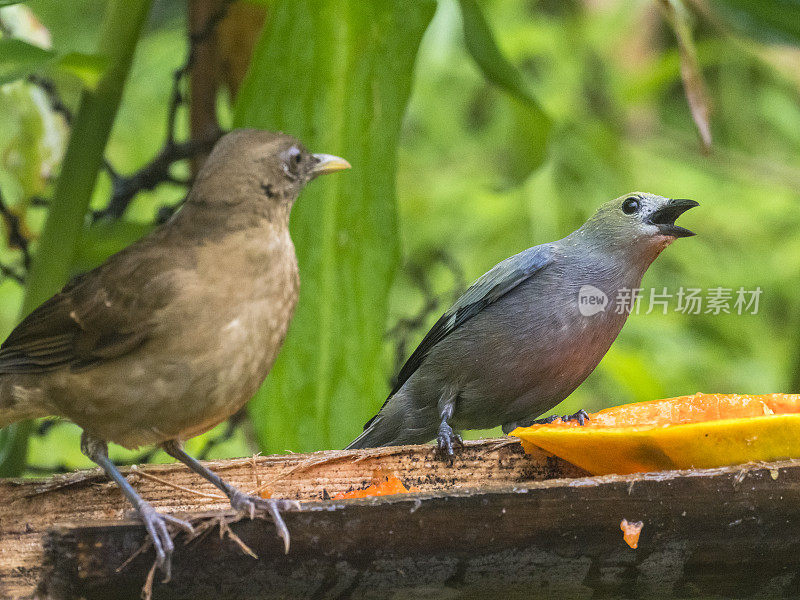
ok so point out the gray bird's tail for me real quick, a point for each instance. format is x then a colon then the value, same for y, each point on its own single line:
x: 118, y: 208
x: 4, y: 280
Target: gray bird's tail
x: 375, y: 434
x: 396, y: 425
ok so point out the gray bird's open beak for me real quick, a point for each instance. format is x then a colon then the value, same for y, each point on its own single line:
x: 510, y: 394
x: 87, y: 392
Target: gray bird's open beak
x: 664, y: 217
x: 327, y: 163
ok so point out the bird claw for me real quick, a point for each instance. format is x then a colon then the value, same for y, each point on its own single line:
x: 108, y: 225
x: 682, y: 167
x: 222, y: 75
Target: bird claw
x: 249, y: 504
x: 581, y: 417
x: 157, y: 525
x: 544, y: 421
x: 445, y: 440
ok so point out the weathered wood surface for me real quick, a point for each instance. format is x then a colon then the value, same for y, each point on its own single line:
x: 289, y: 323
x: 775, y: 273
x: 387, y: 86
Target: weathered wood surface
x: 494, y: 524
x: 29, y: 507
x: 722, y: 533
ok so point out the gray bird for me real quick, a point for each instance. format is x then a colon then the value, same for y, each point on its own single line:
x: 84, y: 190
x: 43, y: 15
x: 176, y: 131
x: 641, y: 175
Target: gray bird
x: 175, y: 333
x: 529, y: 331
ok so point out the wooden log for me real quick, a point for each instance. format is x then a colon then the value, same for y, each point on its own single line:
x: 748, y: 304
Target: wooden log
x: 29, y: 507
x: 496, y: 523
x: 722, y: 533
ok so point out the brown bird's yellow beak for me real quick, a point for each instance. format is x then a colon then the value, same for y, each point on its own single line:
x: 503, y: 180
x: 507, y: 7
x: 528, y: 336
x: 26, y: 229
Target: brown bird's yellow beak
x: 328, y: 163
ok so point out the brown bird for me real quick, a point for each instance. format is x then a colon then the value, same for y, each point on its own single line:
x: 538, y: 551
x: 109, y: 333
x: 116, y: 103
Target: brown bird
x: 175, y: 333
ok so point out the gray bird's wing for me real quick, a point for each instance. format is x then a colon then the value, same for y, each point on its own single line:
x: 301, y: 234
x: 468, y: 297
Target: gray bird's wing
x: 490, y: 287
x: 99, y: 315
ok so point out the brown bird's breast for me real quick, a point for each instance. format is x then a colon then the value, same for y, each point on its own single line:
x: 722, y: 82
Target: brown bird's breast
x: 250, y: 302
x: 212, y: 346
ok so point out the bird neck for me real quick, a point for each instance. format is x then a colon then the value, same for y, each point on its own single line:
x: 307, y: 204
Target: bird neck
x: 634, y: 255
x: 204, y: 221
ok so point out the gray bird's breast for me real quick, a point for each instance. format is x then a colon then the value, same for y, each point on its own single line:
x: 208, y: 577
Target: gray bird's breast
x: 529, y: 350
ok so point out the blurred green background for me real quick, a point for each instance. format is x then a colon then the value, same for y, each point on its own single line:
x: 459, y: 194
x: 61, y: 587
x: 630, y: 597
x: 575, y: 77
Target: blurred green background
x: 475, y: 130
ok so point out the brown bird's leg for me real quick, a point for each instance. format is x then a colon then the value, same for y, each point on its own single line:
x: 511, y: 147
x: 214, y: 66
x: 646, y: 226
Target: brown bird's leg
x: 154, y: 521
x: 239, y: 500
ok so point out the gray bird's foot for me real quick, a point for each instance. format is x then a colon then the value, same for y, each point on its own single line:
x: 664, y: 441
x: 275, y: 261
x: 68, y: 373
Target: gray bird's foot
x: 543, y: 421
x: 446, y: 439
x: 249, y: 504
x: 157, y: 525
x: 581, y: 417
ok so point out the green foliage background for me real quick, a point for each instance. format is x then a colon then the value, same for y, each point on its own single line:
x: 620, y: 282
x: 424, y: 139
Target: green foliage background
x: 478, y: 143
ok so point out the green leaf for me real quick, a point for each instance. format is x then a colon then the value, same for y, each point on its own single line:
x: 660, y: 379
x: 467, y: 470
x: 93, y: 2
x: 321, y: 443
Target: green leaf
x: 337, y: 74
x: 525, y: 141
x: 9, y: 2
x: 13, y: 446
x: 89, y: 68
x: 694, y: 85
x: 19, y: 59
x: 765, y: 20
x: 531, y: 123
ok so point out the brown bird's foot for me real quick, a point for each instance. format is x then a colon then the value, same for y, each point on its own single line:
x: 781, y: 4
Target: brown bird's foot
x: 157, y: 525
x: 239, y: 500
x: 445, y: 440
x: 249, y: 504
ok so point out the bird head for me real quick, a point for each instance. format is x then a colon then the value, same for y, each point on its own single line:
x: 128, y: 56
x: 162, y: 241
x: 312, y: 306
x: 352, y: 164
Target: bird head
x: 263, y: 168
x: 638, y: 220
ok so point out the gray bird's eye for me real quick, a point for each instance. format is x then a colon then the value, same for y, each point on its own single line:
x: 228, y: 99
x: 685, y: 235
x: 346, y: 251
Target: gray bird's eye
x: 631, y: 205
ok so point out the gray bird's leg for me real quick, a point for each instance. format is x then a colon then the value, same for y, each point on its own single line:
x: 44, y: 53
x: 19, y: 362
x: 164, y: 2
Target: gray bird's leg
x: 155, y: 522
x: 446, y: 436
x: 239, y: 500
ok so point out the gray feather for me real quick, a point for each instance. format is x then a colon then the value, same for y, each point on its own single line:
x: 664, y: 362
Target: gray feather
x: 491, y: 286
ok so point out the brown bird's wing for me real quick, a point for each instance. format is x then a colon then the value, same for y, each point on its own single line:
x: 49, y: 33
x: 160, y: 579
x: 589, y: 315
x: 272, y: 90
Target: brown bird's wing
x: 98, y: 316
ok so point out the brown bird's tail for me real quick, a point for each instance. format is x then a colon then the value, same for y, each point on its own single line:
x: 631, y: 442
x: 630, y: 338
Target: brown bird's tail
x: 17, y: 404
x: 9, y: 416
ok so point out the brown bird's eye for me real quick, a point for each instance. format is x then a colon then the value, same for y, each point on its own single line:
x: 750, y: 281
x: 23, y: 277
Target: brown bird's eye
x: 291, y: 161
x: 631, y: 205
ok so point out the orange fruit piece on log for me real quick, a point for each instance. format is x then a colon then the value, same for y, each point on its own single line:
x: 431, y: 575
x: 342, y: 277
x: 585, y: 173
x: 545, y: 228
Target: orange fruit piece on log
x: 384, y: 484
x: 631, y: 532
x: 698, y: 431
